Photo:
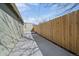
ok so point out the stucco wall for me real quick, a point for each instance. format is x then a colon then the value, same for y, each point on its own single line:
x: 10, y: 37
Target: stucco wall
x: 10, y: 32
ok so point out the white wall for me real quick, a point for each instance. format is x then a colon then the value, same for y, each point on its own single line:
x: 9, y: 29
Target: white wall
x: 10, y: 32
x: 27, y: 27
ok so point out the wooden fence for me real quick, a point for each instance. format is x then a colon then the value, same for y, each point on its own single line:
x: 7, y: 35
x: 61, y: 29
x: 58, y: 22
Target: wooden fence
x: 62, y: 30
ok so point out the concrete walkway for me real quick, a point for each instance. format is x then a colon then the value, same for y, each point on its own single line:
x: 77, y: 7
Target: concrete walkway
x: 26, y: 46
x: 49, y: 49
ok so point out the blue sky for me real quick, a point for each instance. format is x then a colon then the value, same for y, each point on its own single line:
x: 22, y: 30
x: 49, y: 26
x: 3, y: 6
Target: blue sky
x: 37, y: 13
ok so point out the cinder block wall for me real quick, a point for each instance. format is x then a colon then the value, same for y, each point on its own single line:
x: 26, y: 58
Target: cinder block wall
x: 62, y: 30
x: 10, y: 32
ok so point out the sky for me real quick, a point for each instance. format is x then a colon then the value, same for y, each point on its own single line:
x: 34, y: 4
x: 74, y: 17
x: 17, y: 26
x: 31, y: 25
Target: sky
x: 37, y: 13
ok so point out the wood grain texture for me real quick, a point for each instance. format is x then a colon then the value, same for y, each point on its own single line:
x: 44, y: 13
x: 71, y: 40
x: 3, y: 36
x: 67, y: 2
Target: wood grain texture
x: 62, y: 30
